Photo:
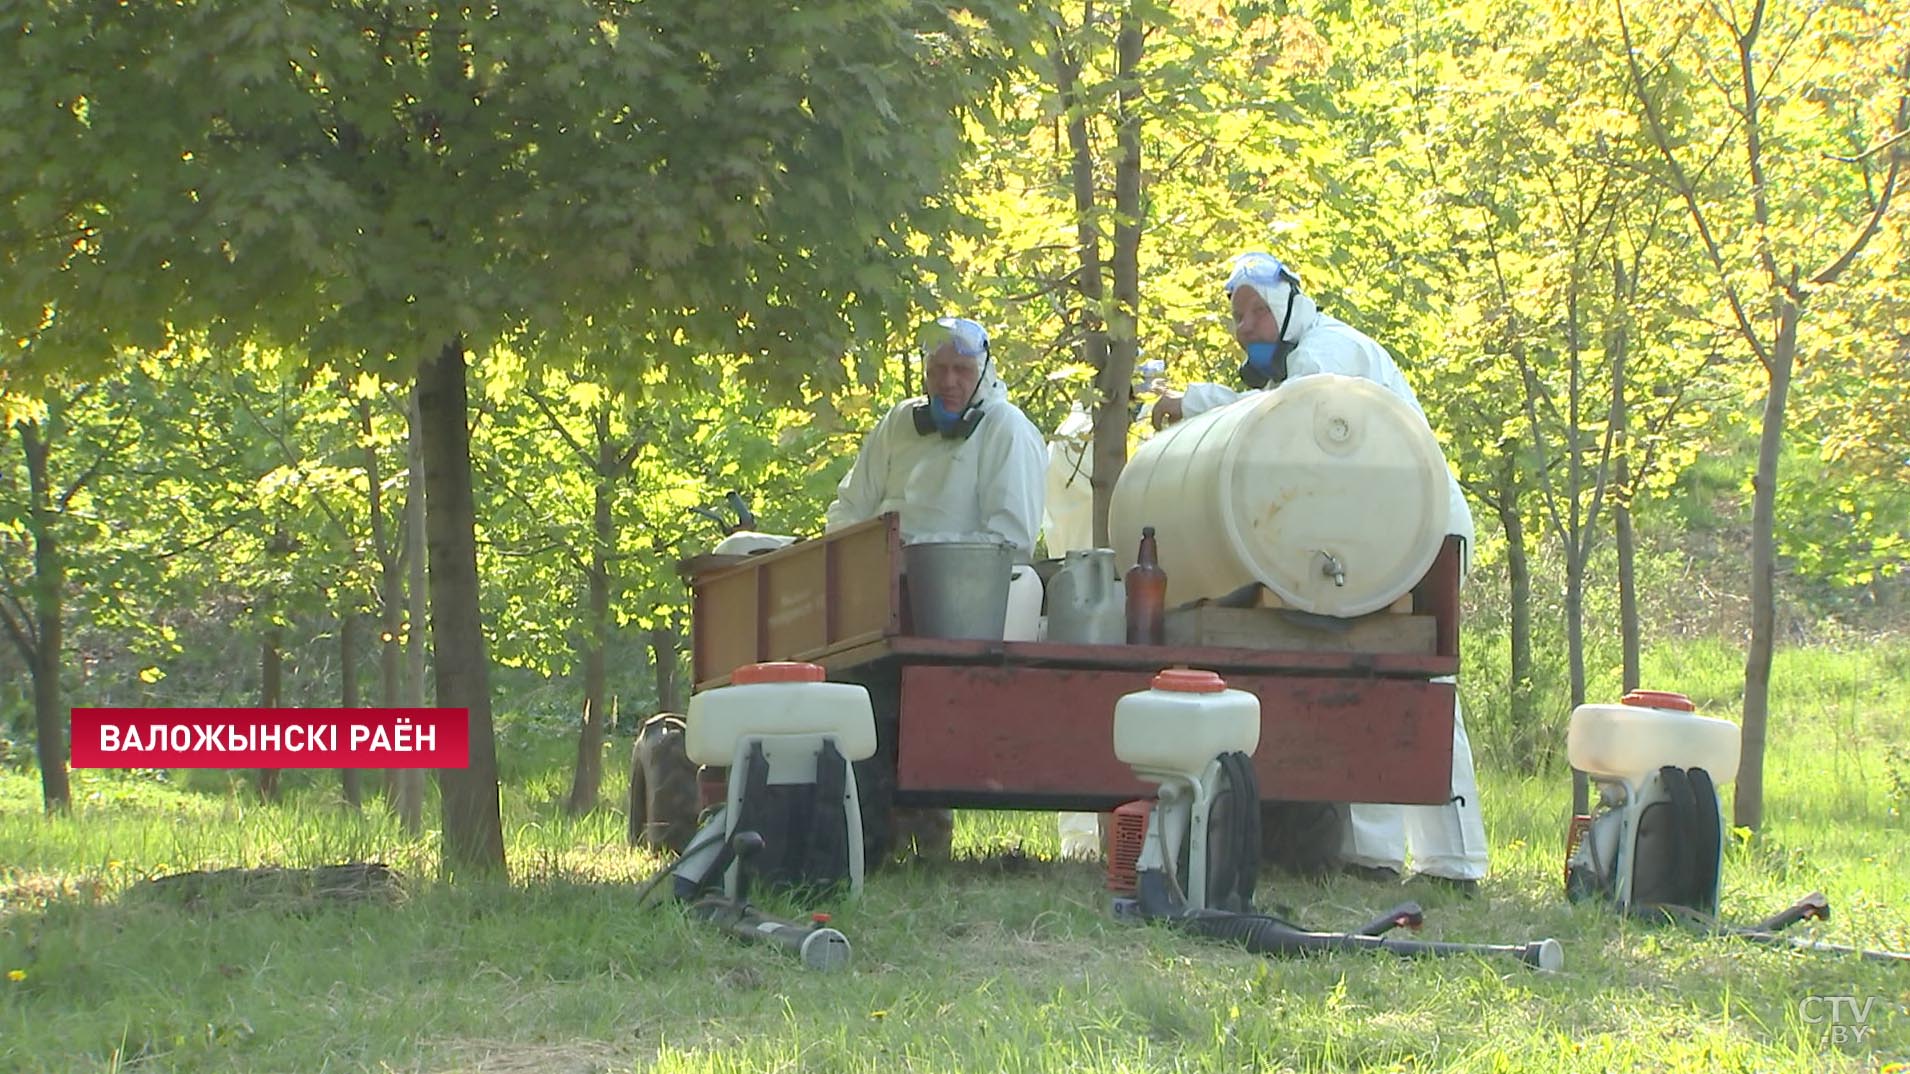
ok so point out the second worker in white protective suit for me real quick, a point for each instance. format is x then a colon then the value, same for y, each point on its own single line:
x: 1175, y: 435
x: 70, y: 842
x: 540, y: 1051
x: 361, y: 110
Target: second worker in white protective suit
x: 1285, y: 335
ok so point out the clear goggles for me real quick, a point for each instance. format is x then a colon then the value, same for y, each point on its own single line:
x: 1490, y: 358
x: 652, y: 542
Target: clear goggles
x: 967, y: 338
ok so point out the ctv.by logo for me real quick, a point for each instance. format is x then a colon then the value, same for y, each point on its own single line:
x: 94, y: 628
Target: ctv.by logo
x: 1846, y: 1019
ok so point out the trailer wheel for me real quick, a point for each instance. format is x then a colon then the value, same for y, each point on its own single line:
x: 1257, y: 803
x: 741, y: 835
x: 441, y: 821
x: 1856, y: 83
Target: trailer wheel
x: 1302, y: 838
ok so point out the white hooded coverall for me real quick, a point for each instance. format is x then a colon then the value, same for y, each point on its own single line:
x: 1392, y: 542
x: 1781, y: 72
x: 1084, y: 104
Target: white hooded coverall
x: 991, y: 482
x: 1070, y: 504
x: 1447, y: 840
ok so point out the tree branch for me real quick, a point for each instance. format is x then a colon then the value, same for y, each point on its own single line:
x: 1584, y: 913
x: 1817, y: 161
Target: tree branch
x: 1873, y: 150
x: 1836, y: 268
x: 291, y: 459
x: 586, y: 458
x: 29, y: 650
x: 1661, y: 141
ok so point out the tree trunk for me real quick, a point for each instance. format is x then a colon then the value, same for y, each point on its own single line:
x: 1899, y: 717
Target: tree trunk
x: 1094, y: 336
x: 410, y: 782
x: 42, y: 653
x: 390, y: 585
x: 271, y: 687
x: 1519, y: 582
x: 665, y: 642
x: 588, y: 777
x: 1116, y: 376
x: 271, y: 654
x: 1748, y: 806
x: 1627, y: 574
x: 1622, y: 298
x: 473, y: 824
x: 348, y: 693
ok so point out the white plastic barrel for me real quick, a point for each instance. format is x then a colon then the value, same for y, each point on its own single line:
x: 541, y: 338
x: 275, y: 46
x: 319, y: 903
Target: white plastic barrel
x: 1329, y: 490
x: 1185, y: 720
x: 778, y: 699
x: 1646, y: 731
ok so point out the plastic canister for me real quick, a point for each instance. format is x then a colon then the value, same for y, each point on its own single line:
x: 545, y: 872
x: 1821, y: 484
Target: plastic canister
x: 1183, y: 721
x: 1086, y: 602
x: 1024, y: 604
x: 778, y: 699
x: 1647, y: 730
x: 1329, y: 490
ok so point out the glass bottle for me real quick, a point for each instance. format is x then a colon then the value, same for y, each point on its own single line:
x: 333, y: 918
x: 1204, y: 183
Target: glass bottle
x: 1146, y: 595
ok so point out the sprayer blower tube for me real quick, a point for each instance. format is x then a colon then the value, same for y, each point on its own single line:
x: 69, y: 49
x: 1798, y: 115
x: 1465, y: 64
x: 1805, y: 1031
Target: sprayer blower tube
x: 1268, y: 936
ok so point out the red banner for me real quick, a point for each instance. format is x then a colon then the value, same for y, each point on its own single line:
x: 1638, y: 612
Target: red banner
x: 271, y: 738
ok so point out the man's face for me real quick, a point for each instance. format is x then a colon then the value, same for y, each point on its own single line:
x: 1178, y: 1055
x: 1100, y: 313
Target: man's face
x: 1253, y: 320
x: 952, y: 377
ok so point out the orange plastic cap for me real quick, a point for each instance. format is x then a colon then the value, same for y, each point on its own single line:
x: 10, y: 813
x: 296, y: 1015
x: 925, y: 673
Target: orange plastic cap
x: 1658, y: 699
x: 776, y: 671
x: 1189, y: 681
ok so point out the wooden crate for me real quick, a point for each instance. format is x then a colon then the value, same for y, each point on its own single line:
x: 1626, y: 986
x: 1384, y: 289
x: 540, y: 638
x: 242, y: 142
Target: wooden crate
x: 799, y: 602
x: 1280, y: 629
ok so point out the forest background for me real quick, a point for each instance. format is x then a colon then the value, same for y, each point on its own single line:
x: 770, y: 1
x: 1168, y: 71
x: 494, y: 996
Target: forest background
x: 1645, y: 265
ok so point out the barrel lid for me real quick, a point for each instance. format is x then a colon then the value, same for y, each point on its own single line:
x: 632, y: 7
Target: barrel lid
x: 1658, y: 699
x: 1189, y: 681
x: 1337, y: 496
x: 776, y: 671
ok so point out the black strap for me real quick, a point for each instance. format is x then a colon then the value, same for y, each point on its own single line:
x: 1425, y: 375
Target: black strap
x: 1247, y: 844
x: 1684, y: 826
x: 825, y: 861
x: 1708, y: 824
x: 772, y: 814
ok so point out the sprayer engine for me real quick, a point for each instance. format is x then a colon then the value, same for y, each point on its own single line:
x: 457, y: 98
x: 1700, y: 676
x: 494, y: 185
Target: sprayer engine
x: 1199, y: 844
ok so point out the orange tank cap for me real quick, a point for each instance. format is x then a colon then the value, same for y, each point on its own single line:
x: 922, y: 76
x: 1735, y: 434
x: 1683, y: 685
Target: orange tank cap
x: 1658, y: 699
x: 776, y: 671
x: 1189, y: 681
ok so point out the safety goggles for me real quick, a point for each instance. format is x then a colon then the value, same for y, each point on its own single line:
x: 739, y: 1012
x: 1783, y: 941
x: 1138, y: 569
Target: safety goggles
x: 967, y: 337
x: 1262, y: 271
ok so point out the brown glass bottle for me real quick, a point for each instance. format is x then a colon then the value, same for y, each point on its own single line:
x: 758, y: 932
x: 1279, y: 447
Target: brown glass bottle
x: 1146, y: 595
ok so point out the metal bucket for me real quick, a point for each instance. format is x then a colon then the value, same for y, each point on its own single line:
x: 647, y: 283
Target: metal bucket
x: 959, y: 589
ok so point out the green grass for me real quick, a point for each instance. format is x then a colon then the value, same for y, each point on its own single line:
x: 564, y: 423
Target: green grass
x: 998, y: 961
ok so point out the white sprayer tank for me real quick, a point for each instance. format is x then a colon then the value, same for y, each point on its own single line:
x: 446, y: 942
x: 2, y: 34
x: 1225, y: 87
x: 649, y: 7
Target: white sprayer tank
x: 1185, y: 720
x: 1329, y: 490
x: 778, y: 699
x: 1646, y: 731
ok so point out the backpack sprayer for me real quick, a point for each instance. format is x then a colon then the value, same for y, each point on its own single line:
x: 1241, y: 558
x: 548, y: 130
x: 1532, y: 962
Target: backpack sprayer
x: 1653, y: 847
x: 791, y: 818
x: 1198, y: 858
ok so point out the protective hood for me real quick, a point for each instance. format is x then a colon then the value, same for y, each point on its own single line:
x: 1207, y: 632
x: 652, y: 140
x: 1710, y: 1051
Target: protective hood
x: 1275, y: 284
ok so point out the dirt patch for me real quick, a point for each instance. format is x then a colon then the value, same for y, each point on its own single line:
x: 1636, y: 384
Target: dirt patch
x: 527, y: 1057
x: 276, y: 887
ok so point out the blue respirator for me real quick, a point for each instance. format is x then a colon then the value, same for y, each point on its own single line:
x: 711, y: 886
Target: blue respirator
x: 1267, y: 362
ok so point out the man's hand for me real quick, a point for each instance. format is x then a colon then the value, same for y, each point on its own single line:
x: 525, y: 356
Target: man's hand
x: 1167, y: 410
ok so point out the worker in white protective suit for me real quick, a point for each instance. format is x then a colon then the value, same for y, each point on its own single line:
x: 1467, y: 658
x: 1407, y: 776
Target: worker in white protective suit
x: 1285, y: 335
x: 961, y: 459
x: 958, y: 460
x: 1068, y: 512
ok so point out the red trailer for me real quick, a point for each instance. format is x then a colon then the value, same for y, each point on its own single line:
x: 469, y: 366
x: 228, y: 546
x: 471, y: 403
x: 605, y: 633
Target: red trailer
x: 1028, y: 725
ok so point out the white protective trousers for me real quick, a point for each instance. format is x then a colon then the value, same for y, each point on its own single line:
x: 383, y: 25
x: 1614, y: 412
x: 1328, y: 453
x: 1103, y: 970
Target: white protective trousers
x: 1447, y: 840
